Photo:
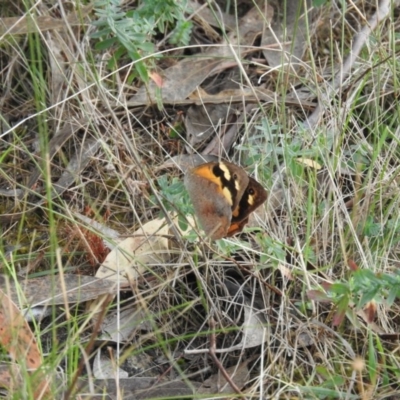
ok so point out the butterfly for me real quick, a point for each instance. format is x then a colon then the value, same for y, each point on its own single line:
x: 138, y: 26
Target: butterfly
x: 223, y: 197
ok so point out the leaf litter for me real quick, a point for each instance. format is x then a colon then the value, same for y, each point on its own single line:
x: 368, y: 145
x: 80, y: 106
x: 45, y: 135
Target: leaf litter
x: 170, y: 292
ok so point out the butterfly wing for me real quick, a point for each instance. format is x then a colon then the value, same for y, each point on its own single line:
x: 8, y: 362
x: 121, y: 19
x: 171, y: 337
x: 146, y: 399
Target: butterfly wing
x: 252, y: 198
x: 211, y: 207
x: 215, y: 189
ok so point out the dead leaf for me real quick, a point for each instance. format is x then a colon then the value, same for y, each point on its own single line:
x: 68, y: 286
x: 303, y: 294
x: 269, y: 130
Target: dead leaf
x: 105, y: 368
x: 304, y: 339
x: 216, y: 19
x: 77, y: 163
x: 148, y: 245
x: 254, y: 328
x: 18, y: 340
x: 287, y: 34
x: 131, y: 257
x: 119, y: 326
x: 179, y: 80
x: 48, y: 290
x: 201, y: 122
x: 32, y: 24
x: 183, y: 78
x: 218, y: 384
x: 137, y: 388
x: 370, y: 310
x: 309, y: 163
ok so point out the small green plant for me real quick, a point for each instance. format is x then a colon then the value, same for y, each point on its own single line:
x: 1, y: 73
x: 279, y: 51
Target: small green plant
x: 131, y: 32
x: 364, y: 287
x: 175, y: 198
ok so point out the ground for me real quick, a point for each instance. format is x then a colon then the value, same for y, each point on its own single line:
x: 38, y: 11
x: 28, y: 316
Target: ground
x: 104, y: 108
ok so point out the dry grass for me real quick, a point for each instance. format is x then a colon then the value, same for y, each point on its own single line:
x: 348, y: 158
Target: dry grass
x: 62, y: 109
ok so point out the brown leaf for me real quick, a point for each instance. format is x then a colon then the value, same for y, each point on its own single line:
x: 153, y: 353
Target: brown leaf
x: 32, y: 24
x: 18, y: 340
x: 217, y: 383
x: 352, y: 265
x: 203, y: 121
x: 184, y: 77
x: 370, y: 310
x: 70, y: 288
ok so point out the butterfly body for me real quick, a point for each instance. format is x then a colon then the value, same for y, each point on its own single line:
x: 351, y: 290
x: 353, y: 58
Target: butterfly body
x: 223, y: 197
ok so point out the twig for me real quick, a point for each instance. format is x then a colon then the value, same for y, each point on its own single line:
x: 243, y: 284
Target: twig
x: 215, y: 358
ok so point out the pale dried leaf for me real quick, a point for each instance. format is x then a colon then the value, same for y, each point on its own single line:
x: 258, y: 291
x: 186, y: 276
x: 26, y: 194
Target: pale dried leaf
x: 70, y: 288
x: 285, y: 271
x: 309, y: 163
x: 254, y: 328
x: 148, y: 245
x: 119, y: 327
x: 104, y: 368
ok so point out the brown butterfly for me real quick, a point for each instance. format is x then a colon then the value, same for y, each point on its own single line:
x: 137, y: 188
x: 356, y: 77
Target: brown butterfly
x: 223, y: 196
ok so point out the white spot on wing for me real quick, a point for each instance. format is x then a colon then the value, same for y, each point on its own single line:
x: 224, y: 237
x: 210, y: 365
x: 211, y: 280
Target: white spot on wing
x: 227, y: 173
